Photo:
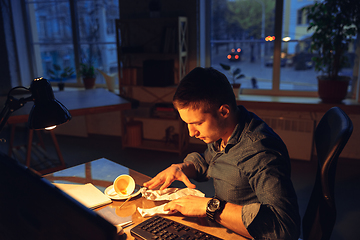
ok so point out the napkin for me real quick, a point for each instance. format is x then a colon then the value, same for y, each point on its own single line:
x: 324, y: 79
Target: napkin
x: 166, y: 194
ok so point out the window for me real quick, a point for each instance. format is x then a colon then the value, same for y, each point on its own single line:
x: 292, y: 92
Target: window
x: 274, y: 51
x: 300, y: 17
x: 52, y: 25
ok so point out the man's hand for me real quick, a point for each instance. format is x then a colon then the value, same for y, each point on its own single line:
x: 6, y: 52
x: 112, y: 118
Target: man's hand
x: 169, y: 175
x: 190, y: 206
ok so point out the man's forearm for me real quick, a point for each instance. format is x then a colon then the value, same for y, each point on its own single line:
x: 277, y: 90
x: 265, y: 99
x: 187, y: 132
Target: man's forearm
x: 188, y: 169
x: 231, y: 219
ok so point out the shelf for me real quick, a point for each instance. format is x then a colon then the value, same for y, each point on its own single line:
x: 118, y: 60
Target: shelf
x: 152, y: 59
x: 152, y: 39
x: 144, y: 111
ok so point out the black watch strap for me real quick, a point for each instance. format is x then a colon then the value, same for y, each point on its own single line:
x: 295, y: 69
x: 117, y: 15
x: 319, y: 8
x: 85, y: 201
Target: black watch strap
x: 214, y: 206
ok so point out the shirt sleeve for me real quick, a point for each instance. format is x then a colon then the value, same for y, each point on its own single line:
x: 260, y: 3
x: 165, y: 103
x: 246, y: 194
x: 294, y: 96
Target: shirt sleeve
x: 276, y: 216
x: 249, y: 212
x: 200, y: 164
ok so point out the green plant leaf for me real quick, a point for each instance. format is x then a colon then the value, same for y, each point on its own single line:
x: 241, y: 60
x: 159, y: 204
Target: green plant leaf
x: 236, y: 71
x: 57, y: 67
x: 240, y: 76
x: 225, y: 67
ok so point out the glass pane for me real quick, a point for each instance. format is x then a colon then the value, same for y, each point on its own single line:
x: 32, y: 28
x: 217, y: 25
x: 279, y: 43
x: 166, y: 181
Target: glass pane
x: 103, y: 57
x: 298, y: 73
x: 51, y: 31
x: 98, y: 35
x: 244, y: 25
x: 57, y: 58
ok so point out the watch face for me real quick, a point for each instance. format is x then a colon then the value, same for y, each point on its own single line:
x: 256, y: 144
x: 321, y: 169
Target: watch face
x: 214, y: 205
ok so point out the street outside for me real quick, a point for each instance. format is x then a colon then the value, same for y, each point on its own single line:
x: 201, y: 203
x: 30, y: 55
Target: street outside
x: 290, y: 79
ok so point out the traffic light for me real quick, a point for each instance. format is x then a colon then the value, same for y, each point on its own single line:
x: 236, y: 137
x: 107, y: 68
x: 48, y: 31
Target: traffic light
x: 270, y: 38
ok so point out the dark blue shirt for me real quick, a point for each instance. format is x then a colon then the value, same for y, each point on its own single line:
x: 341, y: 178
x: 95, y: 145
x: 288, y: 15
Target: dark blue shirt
x: 253, y: 171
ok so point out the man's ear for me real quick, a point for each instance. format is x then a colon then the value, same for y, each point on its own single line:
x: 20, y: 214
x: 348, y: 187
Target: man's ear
x: 224, y: 110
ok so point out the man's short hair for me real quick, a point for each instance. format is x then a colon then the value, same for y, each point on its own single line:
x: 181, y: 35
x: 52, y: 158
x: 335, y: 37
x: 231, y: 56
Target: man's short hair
x: 206, y: 89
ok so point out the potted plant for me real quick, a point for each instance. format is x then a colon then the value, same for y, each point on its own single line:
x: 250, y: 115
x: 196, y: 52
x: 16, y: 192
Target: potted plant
x: 87, y: 72
x: 56, y: 74
x: 335, y: 24
x: 235, y: 74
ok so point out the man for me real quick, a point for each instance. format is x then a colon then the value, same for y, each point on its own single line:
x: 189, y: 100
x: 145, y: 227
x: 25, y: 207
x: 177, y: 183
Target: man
x: 248, y: 162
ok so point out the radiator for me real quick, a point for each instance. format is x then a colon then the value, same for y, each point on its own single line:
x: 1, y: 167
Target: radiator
x: 297, y: 134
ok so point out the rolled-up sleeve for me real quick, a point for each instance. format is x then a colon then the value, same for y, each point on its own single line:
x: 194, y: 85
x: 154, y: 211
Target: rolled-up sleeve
x: 249, y: 212
x: 200, y: 164
x: 276, y: 216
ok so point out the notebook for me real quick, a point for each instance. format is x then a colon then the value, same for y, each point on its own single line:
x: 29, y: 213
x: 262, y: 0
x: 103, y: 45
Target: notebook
x: 87, y: 194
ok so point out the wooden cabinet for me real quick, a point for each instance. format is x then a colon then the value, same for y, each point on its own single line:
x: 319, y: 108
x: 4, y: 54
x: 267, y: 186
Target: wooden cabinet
x: 172, y: 133
x: 152, y: 57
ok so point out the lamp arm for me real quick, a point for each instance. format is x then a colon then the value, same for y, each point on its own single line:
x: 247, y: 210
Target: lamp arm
x: 11, y: 105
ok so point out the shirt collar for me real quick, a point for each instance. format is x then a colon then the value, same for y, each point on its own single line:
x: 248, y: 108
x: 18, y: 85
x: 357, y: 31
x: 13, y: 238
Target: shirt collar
x: 236, y: 135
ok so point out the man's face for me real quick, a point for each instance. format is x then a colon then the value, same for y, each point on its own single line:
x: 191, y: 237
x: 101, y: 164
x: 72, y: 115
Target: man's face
x: 203, y: 126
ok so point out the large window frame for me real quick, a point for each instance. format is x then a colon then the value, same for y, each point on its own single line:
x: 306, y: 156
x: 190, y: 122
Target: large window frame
x: 77, y: 43
x: 203, y: 48
x: 204, y: 53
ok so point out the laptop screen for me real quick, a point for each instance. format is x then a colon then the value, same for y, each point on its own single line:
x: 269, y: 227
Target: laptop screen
x: 33, y: 208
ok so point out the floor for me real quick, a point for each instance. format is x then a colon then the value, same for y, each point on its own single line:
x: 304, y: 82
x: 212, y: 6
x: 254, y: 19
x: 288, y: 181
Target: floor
x: 77, y: 150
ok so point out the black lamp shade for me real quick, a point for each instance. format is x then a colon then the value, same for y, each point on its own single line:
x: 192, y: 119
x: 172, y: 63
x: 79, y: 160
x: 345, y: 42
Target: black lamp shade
x: 48, y: 114
x: 47, y: 111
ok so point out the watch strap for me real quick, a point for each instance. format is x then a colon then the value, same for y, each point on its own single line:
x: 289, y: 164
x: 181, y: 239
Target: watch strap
x: 211, y: 214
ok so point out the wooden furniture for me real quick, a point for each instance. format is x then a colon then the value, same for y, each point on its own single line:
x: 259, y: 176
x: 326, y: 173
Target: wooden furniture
x: 145, y: 47
x: 139, y: 40
x: 174, y: 132
x: 105, y: 172
x: 78, y: 103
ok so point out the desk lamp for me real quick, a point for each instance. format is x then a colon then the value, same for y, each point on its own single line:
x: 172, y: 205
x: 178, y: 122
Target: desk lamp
x: 46, y: 113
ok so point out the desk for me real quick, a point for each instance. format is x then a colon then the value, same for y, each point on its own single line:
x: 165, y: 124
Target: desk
x: 78, y: 103
x: 102, y: 173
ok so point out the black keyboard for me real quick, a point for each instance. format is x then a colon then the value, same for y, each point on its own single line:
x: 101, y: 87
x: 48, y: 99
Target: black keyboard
x: 160, y: 228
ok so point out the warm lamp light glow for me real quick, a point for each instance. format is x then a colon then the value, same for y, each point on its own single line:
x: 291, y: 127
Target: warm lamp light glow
x: 50, y: 128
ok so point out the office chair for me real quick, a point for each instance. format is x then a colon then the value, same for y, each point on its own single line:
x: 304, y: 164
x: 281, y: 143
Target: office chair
x: 331, y: 136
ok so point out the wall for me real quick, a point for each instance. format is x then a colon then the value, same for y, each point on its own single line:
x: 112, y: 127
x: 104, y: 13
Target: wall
x: 351, y: 150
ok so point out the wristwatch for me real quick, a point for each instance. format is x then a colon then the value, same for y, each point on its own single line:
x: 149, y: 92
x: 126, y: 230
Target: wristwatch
x: 214, y: 205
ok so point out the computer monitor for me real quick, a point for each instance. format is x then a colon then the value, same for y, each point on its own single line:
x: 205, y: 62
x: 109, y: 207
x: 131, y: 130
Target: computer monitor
x: 33, y: 208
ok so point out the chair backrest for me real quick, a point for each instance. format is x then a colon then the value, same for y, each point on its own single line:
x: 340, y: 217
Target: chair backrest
x: 331, y: 136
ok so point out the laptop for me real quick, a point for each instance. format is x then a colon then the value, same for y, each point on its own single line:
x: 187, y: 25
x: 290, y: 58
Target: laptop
x: 33, y: 208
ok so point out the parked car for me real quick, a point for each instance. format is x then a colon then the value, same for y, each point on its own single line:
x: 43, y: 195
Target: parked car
x: 234, y: 55
x: 303, y: 61
x: 283, y: 61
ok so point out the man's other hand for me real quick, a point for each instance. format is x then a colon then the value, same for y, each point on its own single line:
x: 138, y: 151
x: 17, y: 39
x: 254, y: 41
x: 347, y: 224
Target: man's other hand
x: 168, y: 176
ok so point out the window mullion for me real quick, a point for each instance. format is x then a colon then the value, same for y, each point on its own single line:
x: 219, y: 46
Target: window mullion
x: 277, y: 44
x: 76, y: 36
